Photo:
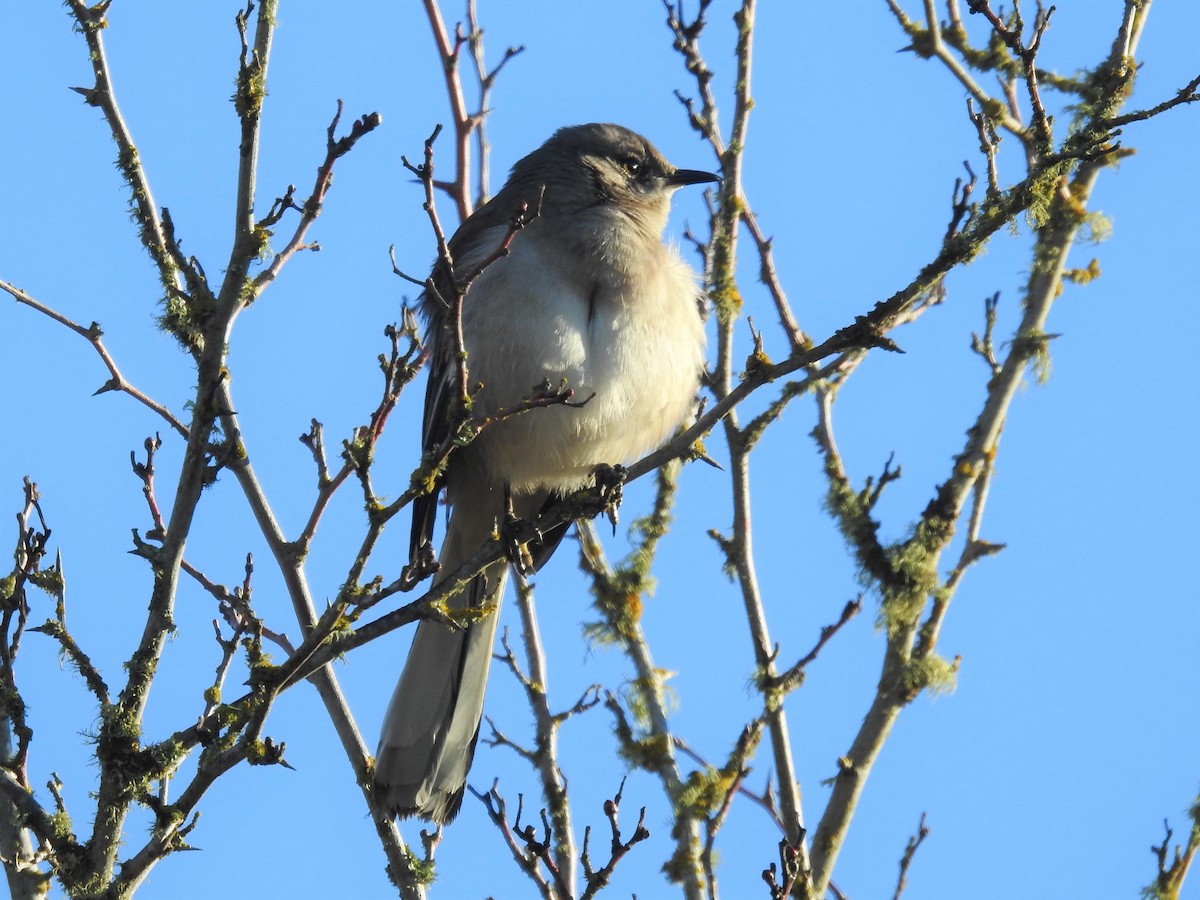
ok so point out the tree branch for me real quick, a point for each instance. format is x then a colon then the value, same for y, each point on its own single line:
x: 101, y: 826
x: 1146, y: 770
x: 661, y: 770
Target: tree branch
x: 94, y: 336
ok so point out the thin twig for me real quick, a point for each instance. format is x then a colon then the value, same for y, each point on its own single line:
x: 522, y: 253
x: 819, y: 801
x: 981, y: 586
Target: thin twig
x: 335, y: 149
x: 910, y: 851
x: 91, y: 21
x: 449, y: 54
x: 487, y: 81
x: 94, y: 336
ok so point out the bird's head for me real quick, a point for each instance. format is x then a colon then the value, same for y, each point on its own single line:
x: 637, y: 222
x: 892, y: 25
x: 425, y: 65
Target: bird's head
x: 607, y: 169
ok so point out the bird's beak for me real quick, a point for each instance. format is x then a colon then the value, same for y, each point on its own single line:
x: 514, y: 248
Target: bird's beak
x: 680, y: 177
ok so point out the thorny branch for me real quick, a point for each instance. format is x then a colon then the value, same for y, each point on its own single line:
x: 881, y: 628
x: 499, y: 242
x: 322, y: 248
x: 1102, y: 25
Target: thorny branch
x: 30, y: 836
x: 793, y: 677
x: 94, y: 336
x: 32, y: 545
x: 91, y: 23
x: 905, y: 575
x: 766, y: 800
x: 1189, y: 93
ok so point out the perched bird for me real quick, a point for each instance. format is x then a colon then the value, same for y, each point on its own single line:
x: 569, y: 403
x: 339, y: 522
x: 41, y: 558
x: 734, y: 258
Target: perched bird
x: 588, y: 296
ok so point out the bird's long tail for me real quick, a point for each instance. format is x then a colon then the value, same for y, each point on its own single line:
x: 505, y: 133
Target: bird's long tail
x: 428, y: 737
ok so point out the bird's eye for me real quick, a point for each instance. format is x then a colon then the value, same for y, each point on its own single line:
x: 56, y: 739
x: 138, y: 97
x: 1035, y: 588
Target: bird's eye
x: 632, y: 165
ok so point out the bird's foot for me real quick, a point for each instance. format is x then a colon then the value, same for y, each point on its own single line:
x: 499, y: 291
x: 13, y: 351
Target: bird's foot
x: 610, y: 481
x: 516, y: 534
x: 422, y: 565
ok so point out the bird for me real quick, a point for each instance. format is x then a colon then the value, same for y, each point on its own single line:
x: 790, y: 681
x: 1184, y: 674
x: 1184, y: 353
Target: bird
x: 589, y: 296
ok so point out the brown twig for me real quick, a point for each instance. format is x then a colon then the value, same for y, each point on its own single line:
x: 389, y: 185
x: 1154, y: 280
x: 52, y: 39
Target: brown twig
x: 335, y: 149
x: 487, y: 81
x: 797, y: 339
x: 145, y: 473
x: 598, y: 879
x: 784, y: 879
x: 961, y: 204
x: 527, y: 851
x: 793, y: 677
x: 910, y: 851
x: 449, y: 54
x: 94, y: 336
x: 989, y: 142
x: 1170, y: 877
x: 400, y: 366
x: 1025, y: 50
x: 234, y: 606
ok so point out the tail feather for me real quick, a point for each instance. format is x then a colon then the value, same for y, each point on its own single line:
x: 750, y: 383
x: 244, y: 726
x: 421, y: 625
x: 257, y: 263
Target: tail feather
x: 432, y: 723
x: 429, y: 733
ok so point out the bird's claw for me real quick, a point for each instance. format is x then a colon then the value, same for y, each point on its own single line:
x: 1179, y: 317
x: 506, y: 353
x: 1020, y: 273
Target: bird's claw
x: 422, y: 565
x: 610, y: 481
x: 516, y: 534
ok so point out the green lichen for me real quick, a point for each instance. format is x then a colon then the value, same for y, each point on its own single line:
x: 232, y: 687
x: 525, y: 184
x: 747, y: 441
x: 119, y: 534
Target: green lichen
x: 932, y: 673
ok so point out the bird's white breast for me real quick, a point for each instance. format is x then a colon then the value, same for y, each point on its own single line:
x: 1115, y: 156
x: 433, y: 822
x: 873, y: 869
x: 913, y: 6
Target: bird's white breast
x: 632, y: 342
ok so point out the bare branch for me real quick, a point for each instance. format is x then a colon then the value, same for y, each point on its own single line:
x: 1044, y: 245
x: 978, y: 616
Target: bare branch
x: 527, y: 852
x: 618, y: 597
x: 487, y: 81
x: 91, y: 22
x: 335, y: 149
x: 793, y: 677
x: 450, y: 55
x: 546, y: 724
x: 93, y: 335
x: 597, y: 879
x: 1189, y: 93
x: 1171, y: 874
x: 909, y: 852
x: 928, y: 42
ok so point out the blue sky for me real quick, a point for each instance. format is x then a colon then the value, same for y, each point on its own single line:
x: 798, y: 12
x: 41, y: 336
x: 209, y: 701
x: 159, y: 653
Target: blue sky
x: 1072, y: 732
